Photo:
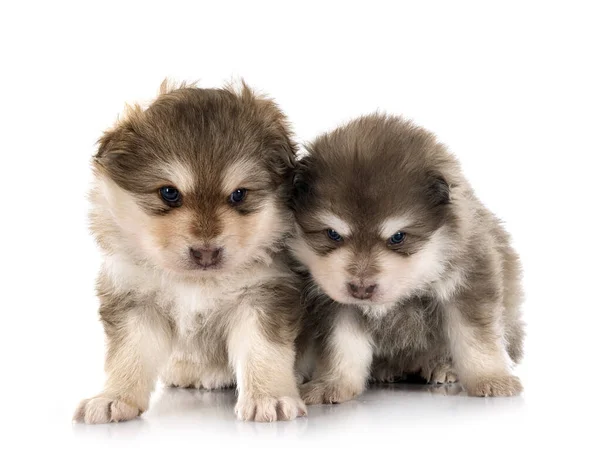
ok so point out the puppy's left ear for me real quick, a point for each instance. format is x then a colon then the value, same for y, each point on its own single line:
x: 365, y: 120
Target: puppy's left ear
x: 279, y: 135
x: 438, y: 190
x: 283, y: 161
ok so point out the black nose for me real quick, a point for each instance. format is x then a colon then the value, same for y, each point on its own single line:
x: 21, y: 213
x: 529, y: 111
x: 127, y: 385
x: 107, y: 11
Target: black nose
x: 361, y: 291
x: 206, y: 257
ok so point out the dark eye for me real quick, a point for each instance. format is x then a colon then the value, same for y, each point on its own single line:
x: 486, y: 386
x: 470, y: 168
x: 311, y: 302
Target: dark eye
x: 170, y: 195
x: 397, y: 238
x: 238, y: 196
x: 333, y: 235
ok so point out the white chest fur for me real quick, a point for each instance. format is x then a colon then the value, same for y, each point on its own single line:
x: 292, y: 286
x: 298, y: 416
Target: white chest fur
x: 188, y: 302
x: 192, y: 303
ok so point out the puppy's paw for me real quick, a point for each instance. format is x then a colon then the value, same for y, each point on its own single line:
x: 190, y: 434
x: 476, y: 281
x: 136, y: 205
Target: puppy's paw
x: 102, y: 409
x: 439, y: 373
x: 180, y: 380
x: 209, y: 383
x: 320, y: 392
x: 269, y: 409
x: 184, y: 374
x: 507, y: 385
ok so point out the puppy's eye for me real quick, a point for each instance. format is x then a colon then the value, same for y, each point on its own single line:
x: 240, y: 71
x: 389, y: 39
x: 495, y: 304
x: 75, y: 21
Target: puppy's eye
x: 170, y: 195
x: 397, y: 238
x: 333, y: 235
x: 238, y: 196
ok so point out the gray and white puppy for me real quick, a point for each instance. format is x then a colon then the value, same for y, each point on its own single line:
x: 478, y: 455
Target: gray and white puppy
x: 189, y: 207
x: 409, y: 272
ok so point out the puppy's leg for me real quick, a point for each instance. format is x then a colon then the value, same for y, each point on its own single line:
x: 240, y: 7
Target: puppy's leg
x: 479, y: 355
x: 344, y: 365
x: 138, y: 344
x: 263, y: 358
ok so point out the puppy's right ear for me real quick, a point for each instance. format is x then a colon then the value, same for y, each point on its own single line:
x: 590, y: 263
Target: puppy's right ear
x: 301, y: 182
x: 108, y: 146
x: 438, y: 190
x: 119, y: 141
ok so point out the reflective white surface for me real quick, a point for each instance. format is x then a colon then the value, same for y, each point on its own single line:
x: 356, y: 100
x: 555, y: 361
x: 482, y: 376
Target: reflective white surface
x: 393, y: 420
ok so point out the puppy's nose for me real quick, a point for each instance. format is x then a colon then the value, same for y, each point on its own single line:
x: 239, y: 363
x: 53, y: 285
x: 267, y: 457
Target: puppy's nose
x: 361, y: 291
x: 206, y: 257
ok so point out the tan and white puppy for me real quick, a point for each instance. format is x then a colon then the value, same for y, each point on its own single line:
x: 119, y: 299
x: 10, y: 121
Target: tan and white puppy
x: 189, y: 209
x: 407, y: 271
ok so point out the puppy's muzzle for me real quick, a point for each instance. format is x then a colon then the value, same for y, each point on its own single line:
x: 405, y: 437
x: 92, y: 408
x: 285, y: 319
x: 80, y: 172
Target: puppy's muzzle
x: 361, y: 291
x: 206, y: 257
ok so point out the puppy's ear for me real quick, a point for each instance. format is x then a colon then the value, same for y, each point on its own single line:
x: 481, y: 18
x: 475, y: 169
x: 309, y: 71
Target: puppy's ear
x: 438, y: 190
x: 283, y: 161
x: 110, y: 145
x: 120, y: 139
x: 279, y: 134
x: 301, y: 182
x: 116, y: 156
x: 300, y: 179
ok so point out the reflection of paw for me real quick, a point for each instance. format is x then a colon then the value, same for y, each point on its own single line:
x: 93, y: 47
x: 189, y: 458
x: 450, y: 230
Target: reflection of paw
x: 452, y: 389
x: 103, y: 409
x: 439, y: 373
x: 269, y: 409
x: 507, y: 385
x: 320, y: 392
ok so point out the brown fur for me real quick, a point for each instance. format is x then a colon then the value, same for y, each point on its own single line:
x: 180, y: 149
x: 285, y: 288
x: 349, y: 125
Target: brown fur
x: 447, y: 298
x: 235, y: 322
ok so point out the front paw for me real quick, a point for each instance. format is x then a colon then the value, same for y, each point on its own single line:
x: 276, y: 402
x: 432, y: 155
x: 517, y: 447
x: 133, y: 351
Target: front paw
x: 321, y: 392
x: 269, y: 409
x: 506, y: 385
x: 102, y: 409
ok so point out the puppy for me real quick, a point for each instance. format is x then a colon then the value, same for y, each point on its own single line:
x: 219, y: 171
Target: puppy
x: 189, y: 207
x: 409, y: 272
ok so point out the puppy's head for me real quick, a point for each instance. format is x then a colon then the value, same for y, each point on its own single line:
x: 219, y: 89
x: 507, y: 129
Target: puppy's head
x: 374, y: 209
x: 197, y: 183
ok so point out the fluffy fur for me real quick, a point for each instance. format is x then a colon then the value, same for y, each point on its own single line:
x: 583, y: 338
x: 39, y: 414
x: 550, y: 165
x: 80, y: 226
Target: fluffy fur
x: 442, y: 303
x: 207, y: 326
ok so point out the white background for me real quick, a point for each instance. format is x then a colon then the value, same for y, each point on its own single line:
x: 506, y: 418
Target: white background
x: 513, y: 89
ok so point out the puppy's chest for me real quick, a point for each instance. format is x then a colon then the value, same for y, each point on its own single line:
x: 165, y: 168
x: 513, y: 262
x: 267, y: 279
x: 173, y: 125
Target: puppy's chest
x: 412, y: 327
x: 194, y: 308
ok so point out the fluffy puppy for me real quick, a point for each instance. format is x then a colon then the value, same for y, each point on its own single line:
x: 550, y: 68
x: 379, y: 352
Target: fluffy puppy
x: 409, y: 272
x: 189, y: 207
